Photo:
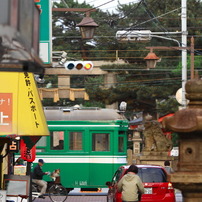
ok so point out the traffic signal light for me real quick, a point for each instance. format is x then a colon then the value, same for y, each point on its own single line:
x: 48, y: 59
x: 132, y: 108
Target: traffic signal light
x: 78, y: 65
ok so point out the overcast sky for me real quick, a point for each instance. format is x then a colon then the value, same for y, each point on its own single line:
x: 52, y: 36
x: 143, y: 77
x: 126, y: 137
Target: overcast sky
x: 105, y: 5
x: 110, y: 5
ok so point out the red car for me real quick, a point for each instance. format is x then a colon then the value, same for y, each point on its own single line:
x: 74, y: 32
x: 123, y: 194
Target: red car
x: 154, y: 178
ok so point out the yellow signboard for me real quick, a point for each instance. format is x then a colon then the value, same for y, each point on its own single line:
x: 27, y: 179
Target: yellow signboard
x: 21, y: 111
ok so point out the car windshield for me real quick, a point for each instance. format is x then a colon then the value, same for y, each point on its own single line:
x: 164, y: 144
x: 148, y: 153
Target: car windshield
x: 152, y: 175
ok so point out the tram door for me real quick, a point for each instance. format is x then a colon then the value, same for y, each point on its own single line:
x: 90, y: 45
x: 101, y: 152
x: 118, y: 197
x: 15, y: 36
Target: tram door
x: 101, y: 161
x: 78, y: 166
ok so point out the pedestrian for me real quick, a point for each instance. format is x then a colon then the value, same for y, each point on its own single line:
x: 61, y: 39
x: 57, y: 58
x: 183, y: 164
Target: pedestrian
x: 37, y: 177
x: 131, y: 185
x: 167, y: 167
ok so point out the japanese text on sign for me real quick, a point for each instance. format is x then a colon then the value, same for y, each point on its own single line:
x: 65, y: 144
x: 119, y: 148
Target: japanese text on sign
x: 30, y: 95
x: 13, y: 146
x: 6, y: 112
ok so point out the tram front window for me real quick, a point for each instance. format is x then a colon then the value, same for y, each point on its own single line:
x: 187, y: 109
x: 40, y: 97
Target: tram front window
x: 57, y: 140
x: 100, y: 142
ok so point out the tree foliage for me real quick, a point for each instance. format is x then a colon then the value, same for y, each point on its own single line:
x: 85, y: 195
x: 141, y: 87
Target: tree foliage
x: 140, y: 88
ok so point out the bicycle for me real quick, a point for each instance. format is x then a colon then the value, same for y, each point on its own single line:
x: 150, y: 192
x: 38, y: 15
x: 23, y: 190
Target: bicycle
x: 55, y: 191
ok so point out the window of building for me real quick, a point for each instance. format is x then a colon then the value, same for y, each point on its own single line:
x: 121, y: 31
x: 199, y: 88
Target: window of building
x: 75, y: 141
x: 100, y: 142
x: 57, y: 140
x: 121, y: 144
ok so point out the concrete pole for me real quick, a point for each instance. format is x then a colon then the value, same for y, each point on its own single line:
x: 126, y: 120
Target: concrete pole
x: 28, y: 173
x: 192, y: 58
x: 184, y: 51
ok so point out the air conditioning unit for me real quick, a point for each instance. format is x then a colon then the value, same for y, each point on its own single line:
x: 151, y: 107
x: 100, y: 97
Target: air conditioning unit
x: 133, y: 35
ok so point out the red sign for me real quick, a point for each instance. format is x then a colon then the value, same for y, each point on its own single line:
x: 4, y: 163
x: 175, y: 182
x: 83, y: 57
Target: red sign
x: 6, y: 106
x: 26, y: 153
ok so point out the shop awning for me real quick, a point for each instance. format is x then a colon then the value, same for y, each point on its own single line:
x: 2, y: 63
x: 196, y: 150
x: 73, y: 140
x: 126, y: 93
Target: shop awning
x: 21, y: 111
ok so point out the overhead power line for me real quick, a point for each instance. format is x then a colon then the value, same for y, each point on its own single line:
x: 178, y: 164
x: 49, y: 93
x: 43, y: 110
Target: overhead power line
x: 152, y: 19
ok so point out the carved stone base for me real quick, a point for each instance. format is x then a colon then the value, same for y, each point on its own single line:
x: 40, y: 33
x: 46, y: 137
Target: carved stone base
x: 156, y: 158
x: 154, y: 153
x: 187, y: 177
x: 190, y: 184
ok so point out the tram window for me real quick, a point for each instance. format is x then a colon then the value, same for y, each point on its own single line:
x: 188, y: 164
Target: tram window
x: 41, y: 142
x: 75, y: 141
x: 57, y: 140
x: 100, y: 142
x: 121, y: 144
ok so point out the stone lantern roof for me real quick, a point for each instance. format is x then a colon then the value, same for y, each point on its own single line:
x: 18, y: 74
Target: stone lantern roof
x: 189, y: 119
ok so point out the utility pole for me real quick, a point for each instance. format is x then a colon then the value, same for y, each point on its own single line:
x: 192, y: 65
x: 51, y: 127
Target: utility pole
x: 184, y: 51
x: 125, y: 36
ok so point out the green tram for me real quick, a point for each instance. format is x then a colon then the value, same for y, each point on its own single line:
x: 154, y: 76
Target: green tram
x: 87, y: 145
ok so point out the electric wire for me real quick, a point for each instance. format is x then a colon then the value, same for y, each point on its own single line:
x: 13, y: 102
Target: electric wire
x: 142, y: 1
x: 106, y: 86
x: 93, y: 1
x: 151, y: 15
x: 136, y: 25
x: 133, y: 9
x: 149, y: 12
x: 107, y: 8
x: 155, y: 19
x: 100, y: 5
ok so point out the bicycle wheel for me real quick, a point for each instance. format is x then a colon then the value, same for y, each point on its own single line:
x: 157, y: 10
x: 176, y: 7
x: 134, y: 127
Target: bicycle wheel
x: 33, y: 198
x: 34, y: 191
x: 57, y: 193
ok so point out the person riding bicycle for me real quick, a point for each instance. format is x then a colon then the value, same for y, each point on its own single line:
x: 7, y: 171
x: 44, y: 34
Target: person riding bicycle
x: 37, y: 177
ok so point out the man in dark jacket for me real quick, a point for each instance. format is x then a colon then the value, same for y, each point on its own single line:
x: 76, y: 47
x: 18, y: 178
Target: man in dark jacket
x: 37, y: 177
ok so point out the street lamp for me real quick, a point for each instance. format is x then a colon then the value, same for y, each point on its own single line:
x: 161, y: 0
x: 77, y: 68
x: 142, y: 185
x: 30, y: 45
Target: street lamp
x: 151, y: 59
x: 87, y: 27
x: 191, y: 48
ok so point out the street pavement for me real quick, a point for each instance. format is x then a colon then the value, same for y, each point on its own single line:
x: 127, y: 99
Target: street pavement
x: 75, y: 196
x: 95, y: 198
x: 78, y: 199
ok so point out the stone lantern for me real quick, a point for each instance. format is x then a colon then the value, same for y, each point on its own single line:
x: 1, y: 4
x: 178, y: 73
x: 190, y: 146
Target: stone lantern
x: 188, y: 124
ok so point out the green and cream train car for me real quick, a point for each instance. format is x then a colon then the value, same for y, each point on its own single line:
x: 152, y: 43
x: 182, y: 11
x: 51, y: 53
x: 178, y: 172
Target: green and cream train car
x: 87, y: 145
